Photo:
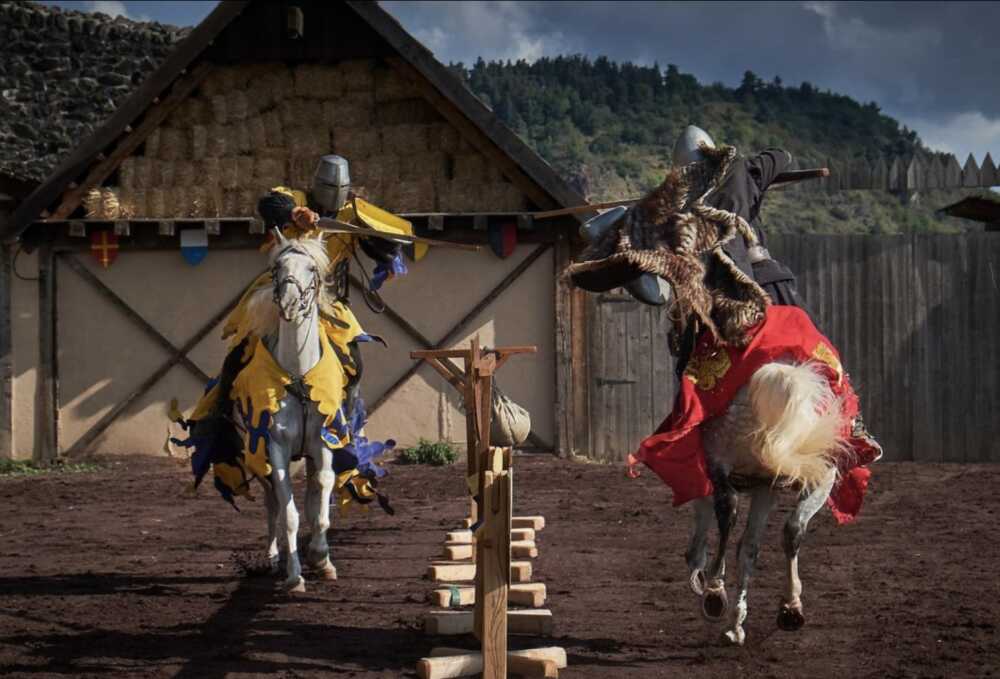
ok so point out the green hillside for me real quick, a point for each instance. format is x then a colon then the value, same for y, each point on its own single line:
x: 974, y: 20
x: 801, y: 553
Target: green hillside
x: 609, y: 128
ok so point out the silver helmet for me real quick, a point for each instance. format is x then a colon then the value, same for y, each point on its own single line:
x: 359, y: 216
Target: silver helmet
x: 331, y: 183
x: 687, y: 147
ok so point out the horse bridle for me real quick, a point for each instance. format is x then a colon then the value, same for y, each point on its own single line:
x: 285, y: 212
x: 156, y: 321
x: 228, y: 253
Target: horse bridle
x: 306, y: 294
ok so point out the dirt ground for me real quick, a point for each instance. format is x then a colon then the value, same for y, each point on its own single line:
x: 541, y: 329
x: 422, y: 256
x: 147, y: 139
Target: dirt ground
x: 116, y: 573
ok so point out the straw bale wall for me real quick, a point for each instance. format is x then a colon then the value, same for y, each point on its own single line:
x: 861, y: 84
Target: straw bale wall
x: 250, y: 127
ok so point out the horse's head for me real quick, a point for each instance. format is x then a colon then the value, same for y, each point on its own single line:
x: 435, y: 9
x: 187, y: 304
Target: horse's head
x: 297, y: 270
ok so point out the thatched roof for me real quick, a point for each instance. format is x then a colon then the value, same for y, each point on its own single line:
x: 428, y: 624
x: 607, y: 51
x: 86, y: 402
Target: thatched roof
x: 63, y: 73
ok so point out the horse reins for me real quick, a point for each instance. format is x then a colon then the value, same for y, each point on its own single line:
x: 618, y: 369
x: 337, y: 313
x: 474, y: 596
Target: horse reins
x: 306, y: 295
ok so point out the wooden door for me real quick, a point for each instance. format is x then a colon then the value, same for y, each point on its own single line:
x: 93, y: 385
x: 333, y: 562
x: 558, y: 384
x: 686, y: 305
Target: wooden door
x: 631, y: 381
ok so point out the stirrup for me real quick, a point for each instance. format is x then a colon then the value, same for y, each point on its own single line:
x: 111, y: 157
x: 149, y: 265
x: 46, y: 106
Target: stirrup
x: 860, y: 431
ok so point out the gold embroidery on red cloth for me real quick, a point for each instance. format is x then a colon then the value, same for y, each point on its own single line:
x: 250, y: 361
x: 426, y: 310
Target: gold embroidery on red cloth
x: 706, y: 371
x: 824, y: 353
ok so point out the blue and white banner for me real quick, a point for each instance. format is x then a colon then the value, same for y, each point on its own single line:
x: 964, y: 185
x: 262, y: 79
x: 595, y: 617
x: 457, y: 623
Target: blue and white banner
x: 194, y: 245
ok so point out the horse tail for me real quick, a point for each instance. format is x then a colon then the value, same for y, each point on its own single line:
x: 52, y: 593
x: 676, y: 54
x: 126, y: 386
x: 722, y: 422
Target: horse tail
x: 800, y: 423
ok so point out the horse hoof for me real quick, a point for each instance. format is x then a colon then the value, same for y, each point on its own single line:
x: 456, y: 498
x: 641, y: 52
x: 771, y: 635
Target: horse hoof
x: 790, y: 619
x: 734, y: 637
x: 328, y: 572
x: 697, y: 582
x: 714, y: 603
x: 298, y: 585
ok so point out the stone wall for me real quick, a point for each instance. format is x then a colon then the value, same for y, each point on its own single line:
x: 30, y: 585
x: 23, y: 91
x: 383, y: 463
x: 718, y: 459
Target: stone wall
x: 62, y: 74
x: 250, y: 127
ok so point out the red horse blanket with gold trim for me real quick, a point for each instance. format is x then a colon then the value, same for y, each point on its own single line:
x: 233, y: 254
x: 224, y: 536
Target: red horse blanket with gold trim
x: 710, y: 382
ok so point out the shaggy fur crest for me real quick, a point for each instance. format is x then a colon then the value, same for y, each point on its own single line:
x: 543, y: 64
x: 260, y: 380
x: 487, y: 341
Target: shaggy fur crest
x: 674, y: 234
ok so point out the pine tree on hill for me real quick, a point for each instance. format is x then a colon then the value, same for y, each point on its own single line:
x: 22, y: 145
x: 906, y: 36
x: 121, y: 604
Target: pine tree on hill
x: 610, y: 126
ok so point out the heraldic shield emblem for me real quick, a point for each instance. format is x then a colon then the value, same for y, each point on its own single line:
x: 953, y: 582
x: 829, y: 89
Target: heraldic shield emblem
x: 194, y: 245
x: 104, y: 247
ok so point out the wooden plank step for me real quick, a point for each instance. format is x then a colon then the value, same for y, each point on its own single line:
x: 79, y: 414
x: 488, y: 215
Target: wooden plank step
x: 536, y: 622
x: 465, y: 536
x: 523, y: 549
x: 447, y: 663
x: 456, y: 571
x: 457, y: 551
x: 528, y: 594
x: 533, y: 522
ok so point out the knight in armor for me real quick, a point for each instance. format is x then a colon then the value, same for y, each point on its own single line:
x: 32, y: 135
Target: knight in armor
x: 700, y: 232
x: 214, y: 435
x: 741, y: 192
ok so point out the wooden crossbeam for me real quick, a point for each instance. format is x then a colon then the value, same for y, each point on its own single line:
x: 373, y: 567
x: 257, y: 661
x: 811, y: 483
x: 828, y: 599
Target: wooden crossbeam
x: 120, y: 304
x: 99, y: 428
x: 130, y: 142
x: 457, y: 329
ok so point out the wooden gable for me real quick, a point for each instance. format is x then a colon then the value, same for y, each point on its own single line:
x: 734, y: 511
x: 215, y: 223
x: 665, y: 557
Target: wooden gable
x: 241, y: 106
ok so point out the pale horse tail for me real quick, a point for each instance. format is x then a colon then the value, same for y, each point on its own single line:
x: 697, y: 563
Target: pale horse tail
x: 801, y: 423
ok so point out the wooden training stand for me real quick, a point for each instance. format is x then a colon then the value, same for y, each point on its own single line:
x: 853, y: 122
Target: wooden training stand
x: 488, y: 547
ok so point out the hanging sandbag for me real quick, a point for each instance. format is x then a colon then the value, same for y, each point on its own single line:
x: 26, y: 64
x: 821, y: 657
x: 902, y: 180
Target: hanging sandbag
x: 511, y: 423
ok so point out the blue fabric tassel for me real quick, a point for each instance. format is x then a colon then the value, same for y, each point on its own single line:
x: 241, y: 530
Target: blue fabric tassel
x: 363, y: 450
x: 395, y: 267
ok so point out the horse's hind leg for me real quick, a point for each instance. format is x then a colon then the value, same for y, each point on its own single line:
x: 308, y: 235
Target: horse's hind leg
x: 790, y: 615
x: 761, y: 504
x: 697, y: 553
x: 726, y: 504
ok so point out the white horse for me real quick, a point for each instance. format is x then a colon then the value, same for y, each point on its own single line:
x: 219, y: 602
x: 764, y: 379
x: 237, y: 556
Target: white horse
x: 288, y: 319
x: 782, y: 430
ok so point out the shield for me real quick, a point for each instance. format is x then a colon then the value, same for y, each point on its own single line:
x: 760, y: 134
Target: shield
x: 503, y: 239
x: 194, y: 245
x: 104, y: 247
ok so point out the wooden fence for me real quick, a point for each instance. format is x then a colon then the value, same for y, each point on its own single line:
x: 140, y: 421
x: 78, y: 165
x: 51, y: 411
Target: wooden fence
x: 915, y: 173
x: 916, y: 318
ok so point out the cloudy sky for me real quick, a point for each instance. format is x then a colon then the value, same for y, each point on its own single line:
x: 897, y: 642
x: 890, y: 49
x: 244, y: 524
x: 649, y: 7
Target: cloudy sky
x: 932, y: 65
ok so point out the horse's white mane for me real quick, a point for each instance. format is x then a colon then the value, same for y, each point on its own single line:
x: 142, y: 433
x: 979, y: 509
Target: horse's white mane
x: 262, y: 312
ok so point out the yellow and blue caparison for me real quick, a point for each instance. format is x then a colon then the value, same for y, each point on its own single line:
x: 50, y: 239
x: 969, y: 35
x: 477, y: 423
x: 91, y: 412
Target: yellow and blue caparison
x: 251, y: 385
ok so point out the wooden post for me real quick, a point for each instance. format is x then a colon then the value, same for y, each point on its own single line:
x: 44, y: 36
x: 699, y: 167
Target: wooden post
x: 564, y: 349
x: 492, y: 568
x: 970, y: 173
x: 6, y: 357
x: 493, y: 560
x: 47, y: 401
x: 988, y: 175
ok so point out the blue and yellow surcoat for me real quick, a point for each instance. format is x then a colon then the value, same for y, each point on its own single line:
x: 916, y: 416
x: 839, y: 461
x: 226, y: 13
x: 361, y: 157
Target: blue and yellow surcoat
x: 230, y: 432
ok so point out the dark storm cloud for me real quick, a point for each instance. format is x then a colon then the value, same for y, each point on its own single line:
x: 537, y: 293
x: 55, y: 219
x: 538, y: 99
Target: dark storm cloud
x: 931, y: 64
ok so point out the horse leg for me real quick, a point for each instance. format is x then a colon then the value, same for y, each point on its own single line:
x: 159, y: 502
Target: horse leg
x: 283, y: 438
x: 697, y: 553
x: 273, y: 515
x: 790, y: 617
x: 321, y: 484
x: 726, y: 504
x: 761, y: 503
